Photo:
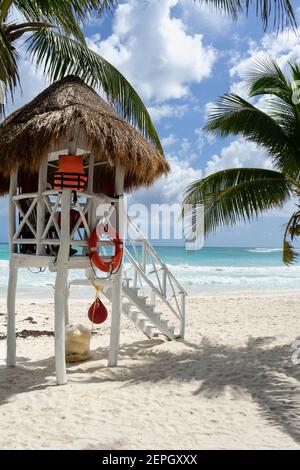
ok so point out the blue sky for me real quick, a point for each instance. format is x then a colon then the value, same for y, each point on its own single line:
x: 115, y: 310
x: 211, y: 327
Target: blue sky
x: 181, y: 57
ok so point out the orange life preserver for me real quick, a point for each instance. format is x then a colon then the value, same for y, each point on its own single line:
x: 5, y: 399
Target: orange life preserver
x: 115, y: 261
x: 70, y: 173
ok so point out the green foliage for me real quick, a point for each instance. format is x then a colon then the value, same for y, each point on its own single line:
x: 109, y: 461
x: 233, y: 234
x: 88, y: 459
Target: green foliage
x: 241, y: 194
x: 237, y: 195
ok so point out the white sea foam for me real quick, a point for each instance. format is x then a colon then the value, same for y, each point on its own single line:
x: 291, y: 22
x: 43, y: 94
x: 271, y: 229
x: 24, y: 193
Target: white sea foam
x: 264, y: 250
x: 194, y: 277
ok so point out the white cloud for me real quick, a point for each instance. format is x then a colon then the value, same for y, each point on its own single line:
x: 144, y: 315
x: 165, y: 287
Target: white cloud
x: 205, y: 15
x: 169, y: 189
x: 203, y: 138
x: 162, y: 111
x: 32, y: 83
x: 284, y: 48
x: 171, y: 139
x: 239, y: 154
x: 154, y: 50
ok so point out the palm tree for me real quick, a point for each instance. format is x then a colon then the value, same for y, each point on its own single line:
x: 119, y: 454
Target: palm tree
x: 55, y: 42
x: 241, y: 194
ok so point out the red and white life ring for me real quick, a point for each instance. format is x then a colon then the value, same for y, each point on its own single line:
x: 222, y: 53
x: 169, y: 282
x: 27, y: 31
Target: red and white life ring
x: 115, y: 261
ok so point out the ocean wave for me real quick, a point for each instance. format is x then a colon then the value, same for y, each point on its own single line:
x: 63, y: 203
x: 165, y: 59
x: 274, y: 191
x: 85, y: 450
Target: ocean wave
x: 237, y: 270
x: 264, y: 250
x: 198, y: 278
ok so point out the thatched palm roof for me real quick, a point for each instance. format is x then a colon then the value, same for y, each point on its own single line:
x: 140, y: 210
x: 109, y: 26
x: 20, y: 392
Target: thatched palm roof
x: 30, y: 133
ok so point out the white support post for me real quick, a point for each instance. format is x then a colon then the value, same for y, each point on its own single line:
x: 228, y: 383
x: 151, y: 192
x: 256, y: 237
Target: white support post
x: 12, y: 212
x: 117, y: 281
x: 61, y: 288
x: 13, y: 275
x: 41, y: 207
x: 11, y: 316
x: 67, y: 313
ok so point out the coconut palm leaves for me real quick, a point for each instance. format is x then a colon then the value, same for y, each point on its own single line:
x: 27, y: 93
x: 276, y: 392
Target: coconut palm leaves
x: 241, y: 194
x: 238, y: 194
x: 280, y: 11
x: 55, y: 41
x: 61, y: 55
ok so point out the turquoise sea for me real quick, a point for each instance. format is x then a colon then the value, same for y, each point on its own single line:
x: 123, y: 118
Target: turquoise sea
x: 206, y: 271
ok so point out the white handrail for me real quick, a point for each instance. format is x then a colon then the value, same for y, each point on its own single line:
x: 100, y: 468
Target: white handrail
x: 155, y: 254
x: 151, y: 285
x: 159, y: 287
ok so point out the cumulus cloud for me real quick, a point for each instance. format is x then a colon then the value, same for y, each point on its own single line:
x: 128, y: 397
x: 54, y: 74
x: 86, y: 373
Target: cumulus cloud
x: 161, y: 111
x: 32, y: 83
x: 239, y: 154
x: 171, y: 139
x: 154, y: 50
x: 284, y: 48
x: 206, y: 16
x: 169, y: 189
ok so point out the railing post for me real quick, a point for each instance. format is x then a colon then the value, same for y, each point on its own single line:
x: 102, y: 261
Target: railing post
x: 144, y: 256
x: 165, y: 282
x: 153, y: 297
x: 135, y: 278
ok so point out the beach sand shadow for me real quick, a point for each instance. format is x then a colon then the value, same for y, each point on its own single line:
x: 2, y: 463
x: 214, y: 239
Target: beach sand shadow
x: 258, y: 368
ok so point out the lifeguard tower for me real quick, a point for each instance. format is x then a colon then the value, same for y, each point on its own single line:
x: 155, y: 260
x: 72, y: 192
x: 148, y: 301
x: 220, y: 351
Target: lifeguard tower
x: 63, y: 157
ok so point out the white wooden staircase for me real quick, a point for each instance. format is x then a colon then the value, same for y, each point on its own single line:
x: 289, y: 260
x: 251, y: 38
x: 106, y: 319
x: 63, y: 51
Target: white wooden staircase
x: 152, y: 298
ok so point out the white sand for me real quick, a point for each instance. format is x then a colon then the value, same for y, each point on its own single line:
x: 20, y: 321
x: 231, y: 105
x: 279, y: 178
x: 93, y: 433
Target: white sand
x: 230, y: 385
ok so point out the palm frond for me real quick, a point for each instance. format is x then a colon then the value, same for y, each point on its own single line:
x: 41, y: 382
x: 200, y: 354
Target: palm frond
x: 60, y: 55
x: 84, y: 7
x: 279, y: 11
x: 282, y: 103
x: 289, y: 255
x: 229, y: 7
x: 67, y: 14
x: 5, y: 6
x: 238, y: 195
x: 233, y: 115
x: 52, y: 12
x: 14, y: 31
x: 266, y: 77
x: 9, y: 74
